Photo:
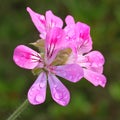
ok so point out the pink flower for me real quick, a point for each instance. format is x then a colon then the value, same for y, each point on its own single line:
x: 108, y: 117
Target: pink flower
x: 45, y: 23
x: 92, y: 64
x: 79, y: 63
x: 78, y: 35
x: 78, y: 38
x: 27, y: 58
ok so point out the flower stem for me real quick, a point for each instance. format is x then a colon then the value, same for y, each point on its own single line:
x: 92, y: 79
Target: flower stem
x: 19, y: 110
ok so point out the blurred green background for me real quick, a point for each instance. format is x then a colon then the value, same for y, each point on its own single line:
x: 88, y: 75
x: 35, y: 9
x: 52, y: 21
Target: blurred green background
x: 87, y: 101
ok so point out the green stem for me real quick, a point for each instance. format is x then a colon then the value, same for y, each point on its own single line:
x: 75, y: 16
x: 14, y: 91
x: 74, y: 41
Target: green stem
x: 19, y: 110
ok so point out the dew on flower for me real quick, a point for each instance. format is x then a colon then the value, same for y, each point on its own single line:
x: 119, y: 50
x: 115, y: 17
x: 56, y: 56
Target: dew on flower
x: 39, y: 98
x: 64, y: 52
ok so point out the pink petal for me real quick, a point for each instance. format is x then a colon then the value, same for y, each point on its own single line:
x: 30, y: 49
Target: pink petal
x: 54, y: 43
x: 71, y: 72
x: 69, y: 20
x: 95, y: 78
x: 78, y: 36
x: 55, y: 37
x: 52, y: 20
x: 95, y: 58
x: 85, y: 41
x: 96, y: 69
x: 45, y: 23
x: 39, y: 21
x: 70, y: 31
x: 25, y: 57
x: 60, y: 93
x: 37, y: 92
x: 96, y: 61
x: 84, y: 30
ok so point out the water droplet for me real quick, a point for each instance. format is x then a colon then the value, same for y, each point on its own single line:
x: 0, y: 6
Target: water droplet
x: 97, y: 78
x: 94, y: 65
x: 32, y: 89
x: 58, y: 94
x: 42, y: 84
x: 39, y: 98
x: 101, y: 82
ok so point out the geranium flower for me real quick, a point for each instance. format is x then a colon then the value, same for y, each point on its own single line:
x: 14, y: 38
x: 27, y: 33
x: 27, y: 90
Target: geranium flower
x: 45, y: 23
x: 64, y: 53
x: 78, y: 38
x: 27, y: 58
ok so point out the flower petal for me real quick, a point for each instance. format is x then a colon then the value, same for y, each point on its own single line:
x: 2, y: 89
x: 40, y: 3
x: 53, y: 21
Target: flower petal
x: 45, y: 23
x: 69, y: 20
x: 95, y: 60
x: 70, y: 32
x: 39, y: 21
x: 52, y: 20
x: 95, y: 78
x: 78, y: 36
x: 59, y: 92
x: 83, y: 32
x: 37, y: 92
x: 54, y: 42
x: 25, y: 57
x: 71, y: 72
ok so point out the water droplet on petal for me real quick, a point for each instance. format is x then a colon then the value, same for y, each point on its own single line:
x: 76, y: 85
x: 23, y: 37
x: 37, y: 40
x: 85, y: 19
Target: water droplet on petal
x: 39, y: 98
x: 101, y: 82
x: 58, y: 96
x: 97, y: 78
x: 32, y: 89
x: 42, y: 84
x: 57, y: 93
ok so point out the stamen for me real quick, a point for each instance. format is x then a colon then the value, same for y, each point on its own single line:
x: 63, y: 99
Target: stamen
x: 51, y: 48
